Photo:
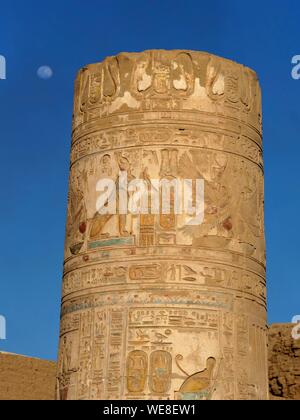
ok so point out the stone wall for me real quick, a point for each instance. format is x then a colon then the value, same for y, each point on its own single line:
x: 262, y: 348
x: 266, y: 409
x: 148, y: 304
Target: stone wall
x: 26, y: 378
x: 284, y: 363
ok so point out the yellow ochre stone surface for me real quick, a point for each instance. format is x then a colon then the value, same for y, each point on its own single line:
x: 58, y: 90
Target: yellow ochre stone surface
x: 284, y: 362
x: 26, y: 378
x: 152, y: 306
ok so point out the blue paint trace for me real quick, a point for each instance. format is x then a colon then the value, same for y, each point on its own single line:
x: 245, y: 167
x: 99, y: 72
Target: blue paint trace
x: 112, y: 242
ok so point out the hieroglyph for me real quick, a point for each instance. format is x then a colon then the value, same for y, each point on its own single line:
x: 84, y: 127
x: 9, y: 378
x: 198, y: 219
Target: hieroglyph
x: 154, y: 307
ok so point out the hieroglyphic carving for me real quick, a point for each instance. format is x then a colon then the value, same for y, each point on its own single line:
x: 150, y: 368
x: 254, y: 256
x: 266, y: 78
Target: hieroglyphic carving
x: 115, y: 359
x: 85, y: 351
x: 154, y: 307
x: 242, y: 335
x: 198, y: 386
x: 137, y: 368
x: 173, y: 318
x: 147, y: 137
x: 100, y: 334
x: 152, y: 297
x: 76, y: 216
x: 67, y: 366
x: 160, y: 372
x: 166, y: 81
x: 167, y: 272
x: 145, y: 272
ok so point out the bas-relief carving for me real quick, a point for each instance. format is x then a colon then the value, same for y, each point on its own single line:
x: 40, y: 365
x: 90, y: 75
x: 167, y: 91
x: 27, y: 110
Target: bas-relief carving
x: 160, y: 372
x: 164, y: 272
x: 157, y: 330
x: 198, y: 386
x: 67, y: 366
x: 76, y: 215
x: 237, y: 221
x: 233, y: 202
x: 136, y: 370
x: 113, y: 139
x: 154, y: 309
x: 166, y: 80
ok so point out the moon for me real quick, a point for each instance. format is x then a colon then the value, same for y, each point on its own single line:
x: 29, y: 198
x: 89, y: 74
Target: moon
x: 45, y: 72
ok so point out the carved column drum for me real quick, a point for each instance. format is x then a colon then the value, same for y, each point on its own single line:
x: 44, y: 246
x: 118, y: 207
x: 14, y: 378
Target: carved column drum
x: 154, y: 307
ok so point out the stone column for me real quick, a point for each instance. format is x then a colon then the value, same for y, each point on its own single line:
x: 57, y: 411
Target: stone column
x: 154, y: 307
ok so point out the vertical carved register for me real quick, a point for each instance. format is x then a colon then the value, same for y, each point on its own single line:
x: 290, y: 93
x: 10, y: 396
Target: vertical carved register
x: 153, y: 308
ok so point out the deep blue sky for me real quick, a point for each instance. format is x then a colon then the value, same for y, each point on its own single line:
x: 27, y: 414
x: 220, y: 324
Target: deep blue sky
x: 35, y: 128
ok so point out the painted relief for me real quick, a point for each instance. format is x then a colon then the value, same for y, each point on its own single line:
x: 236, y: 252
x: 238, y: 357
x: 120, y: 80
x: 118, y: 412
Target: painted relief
x: 137, y: 367
x: 154, y: 306
x: 160, y: 372
x: 198, y: 386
